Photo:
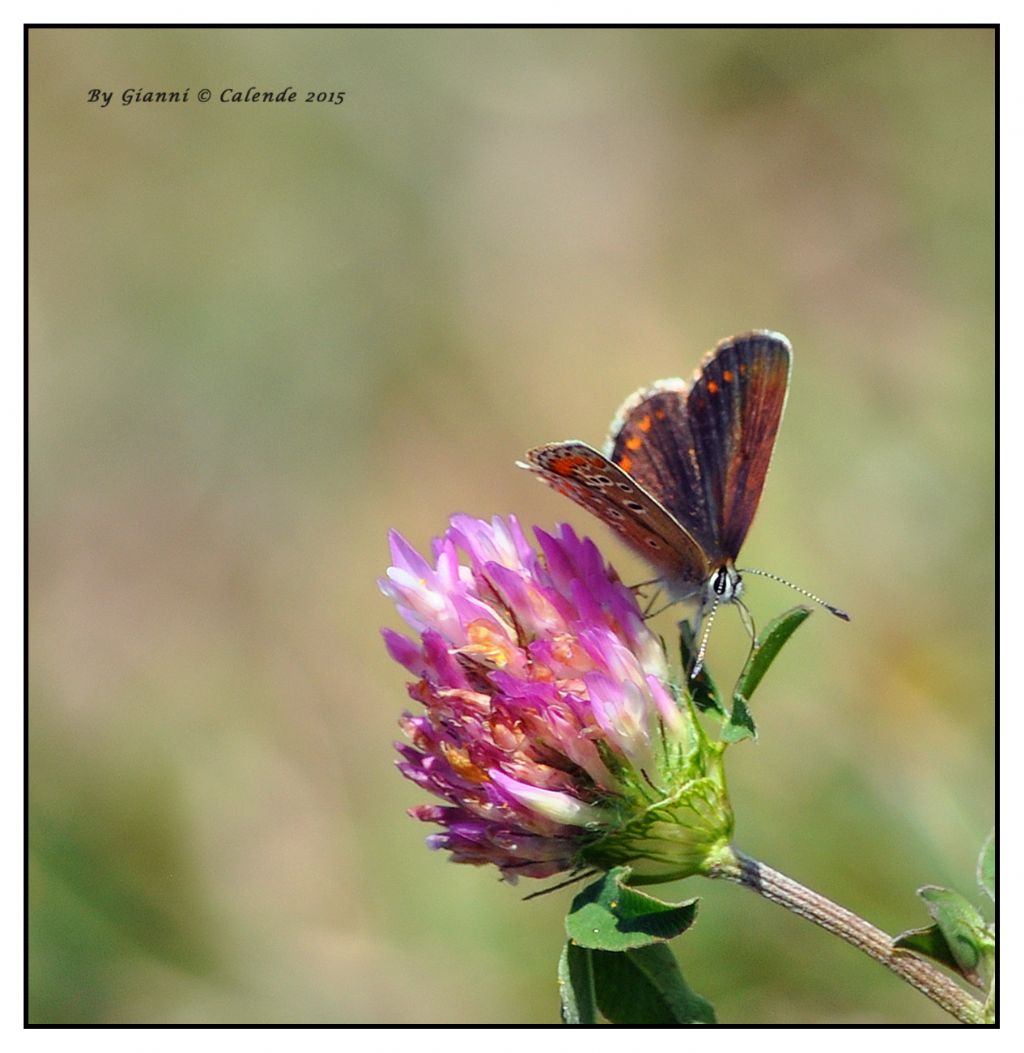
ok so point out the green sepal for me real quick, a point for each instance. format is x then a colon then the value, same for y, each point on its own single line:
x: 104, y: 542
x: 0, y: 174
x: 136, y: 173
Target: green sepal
x: 576, y: 985
x: 987, y: 866
x: 959, y: 939
x: 767, y: 646
x: 609, y: 915
x: 701, y: 687
x: 644, y: 987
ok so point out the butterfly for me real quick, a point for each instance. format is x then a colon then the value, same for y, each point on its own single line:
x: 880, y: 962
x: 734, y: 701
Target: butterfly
x: 682, y: 471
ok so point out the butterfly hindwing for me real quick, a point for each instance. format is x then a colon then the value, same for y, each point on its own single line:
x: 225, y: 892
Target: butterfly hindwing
x: 653, y: 443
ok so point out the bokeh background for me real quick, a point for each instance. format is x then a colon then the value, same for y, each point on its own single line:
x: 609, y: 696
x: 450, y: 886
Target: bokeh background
x: 261, y: 335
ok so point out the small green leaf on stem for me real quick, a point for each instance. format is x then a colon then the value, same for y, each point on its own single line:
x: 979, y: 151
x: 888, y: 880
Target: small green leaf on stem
x: 930, y: 942
x: 576, y: 985
x: 741, y: 724
x: 959, y: 938
x: 644, y: 987
x: 766, y: 648
x: 609, y: 915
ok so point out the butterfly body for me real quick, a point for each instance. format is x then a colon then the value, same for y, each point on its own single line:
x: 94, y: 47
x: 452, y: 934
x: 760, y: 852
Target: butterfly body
x: 682, y: 471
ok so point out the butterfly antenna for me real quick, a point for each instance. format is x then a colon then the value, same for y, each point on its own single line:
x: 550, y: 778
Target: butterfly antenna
x: 699, y: 661
x: 796, y: 588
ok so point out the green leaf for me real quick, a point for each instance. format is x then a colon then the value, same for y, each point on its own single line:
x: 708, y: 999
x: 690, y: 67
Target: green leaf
x: 961, y: 924
x: 987, y: 866
x: 576, y: 985
x: 766, y: 648
x: 930, y: 942
x: 701, y: 687
x: 644, y: 987
x: 741, y: 724
x: 959, y: 938
x: 608, y: 915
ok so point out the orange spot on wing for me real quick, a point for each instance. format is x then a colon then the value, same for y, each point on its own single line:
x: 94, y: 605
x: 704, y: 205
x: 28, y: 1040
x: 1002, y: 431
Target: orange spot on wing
x: 625, y: 463
x: 567, y: 465
x: 727, y: 376
x: 645, y: 424
x: 712, y: 387
x: 634, y: 443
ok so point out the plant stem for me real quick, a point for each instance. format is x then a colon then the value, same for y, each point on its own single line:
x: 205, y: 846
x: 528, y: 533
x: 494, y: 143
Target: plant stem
x: 735, y: 866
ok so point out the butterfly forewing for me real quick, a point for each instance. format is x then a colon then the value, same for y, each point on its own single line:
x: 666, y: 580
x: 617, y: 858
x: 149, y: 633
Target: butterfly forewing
x: 704, y: 452
x: 734, y: 408
x: 591, y: 480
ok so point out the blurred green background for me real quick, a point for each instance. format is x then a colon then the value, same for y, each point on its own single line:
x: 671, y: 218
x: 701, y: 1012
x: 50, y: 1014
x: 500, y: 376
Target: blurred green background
x: 264, y: 334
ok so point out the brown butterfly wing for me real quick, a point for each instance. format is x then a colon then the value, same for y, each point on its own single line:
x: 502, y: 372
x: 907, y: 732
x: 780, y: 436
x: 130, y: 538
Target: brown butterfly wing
x: 591, y: 480
x: 653, y: 442
x: 704, y: 452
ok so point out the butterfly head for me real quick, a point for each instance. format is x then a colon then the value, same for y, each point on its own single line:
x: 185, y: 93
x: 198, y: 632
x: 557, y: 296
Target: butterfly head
x: 724, y: 586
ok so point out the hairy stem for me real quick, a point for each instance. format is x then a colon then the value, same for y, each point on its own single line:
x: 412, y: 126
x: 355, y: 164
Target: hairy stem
x: 735, y: 866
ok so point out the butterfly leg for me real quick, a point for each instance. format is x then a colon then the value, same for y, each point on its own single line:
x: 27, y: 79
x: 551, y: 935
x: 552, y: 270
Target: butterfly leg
x: 648, y: 614
x: 638, y: 590
x: 650, y: 604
